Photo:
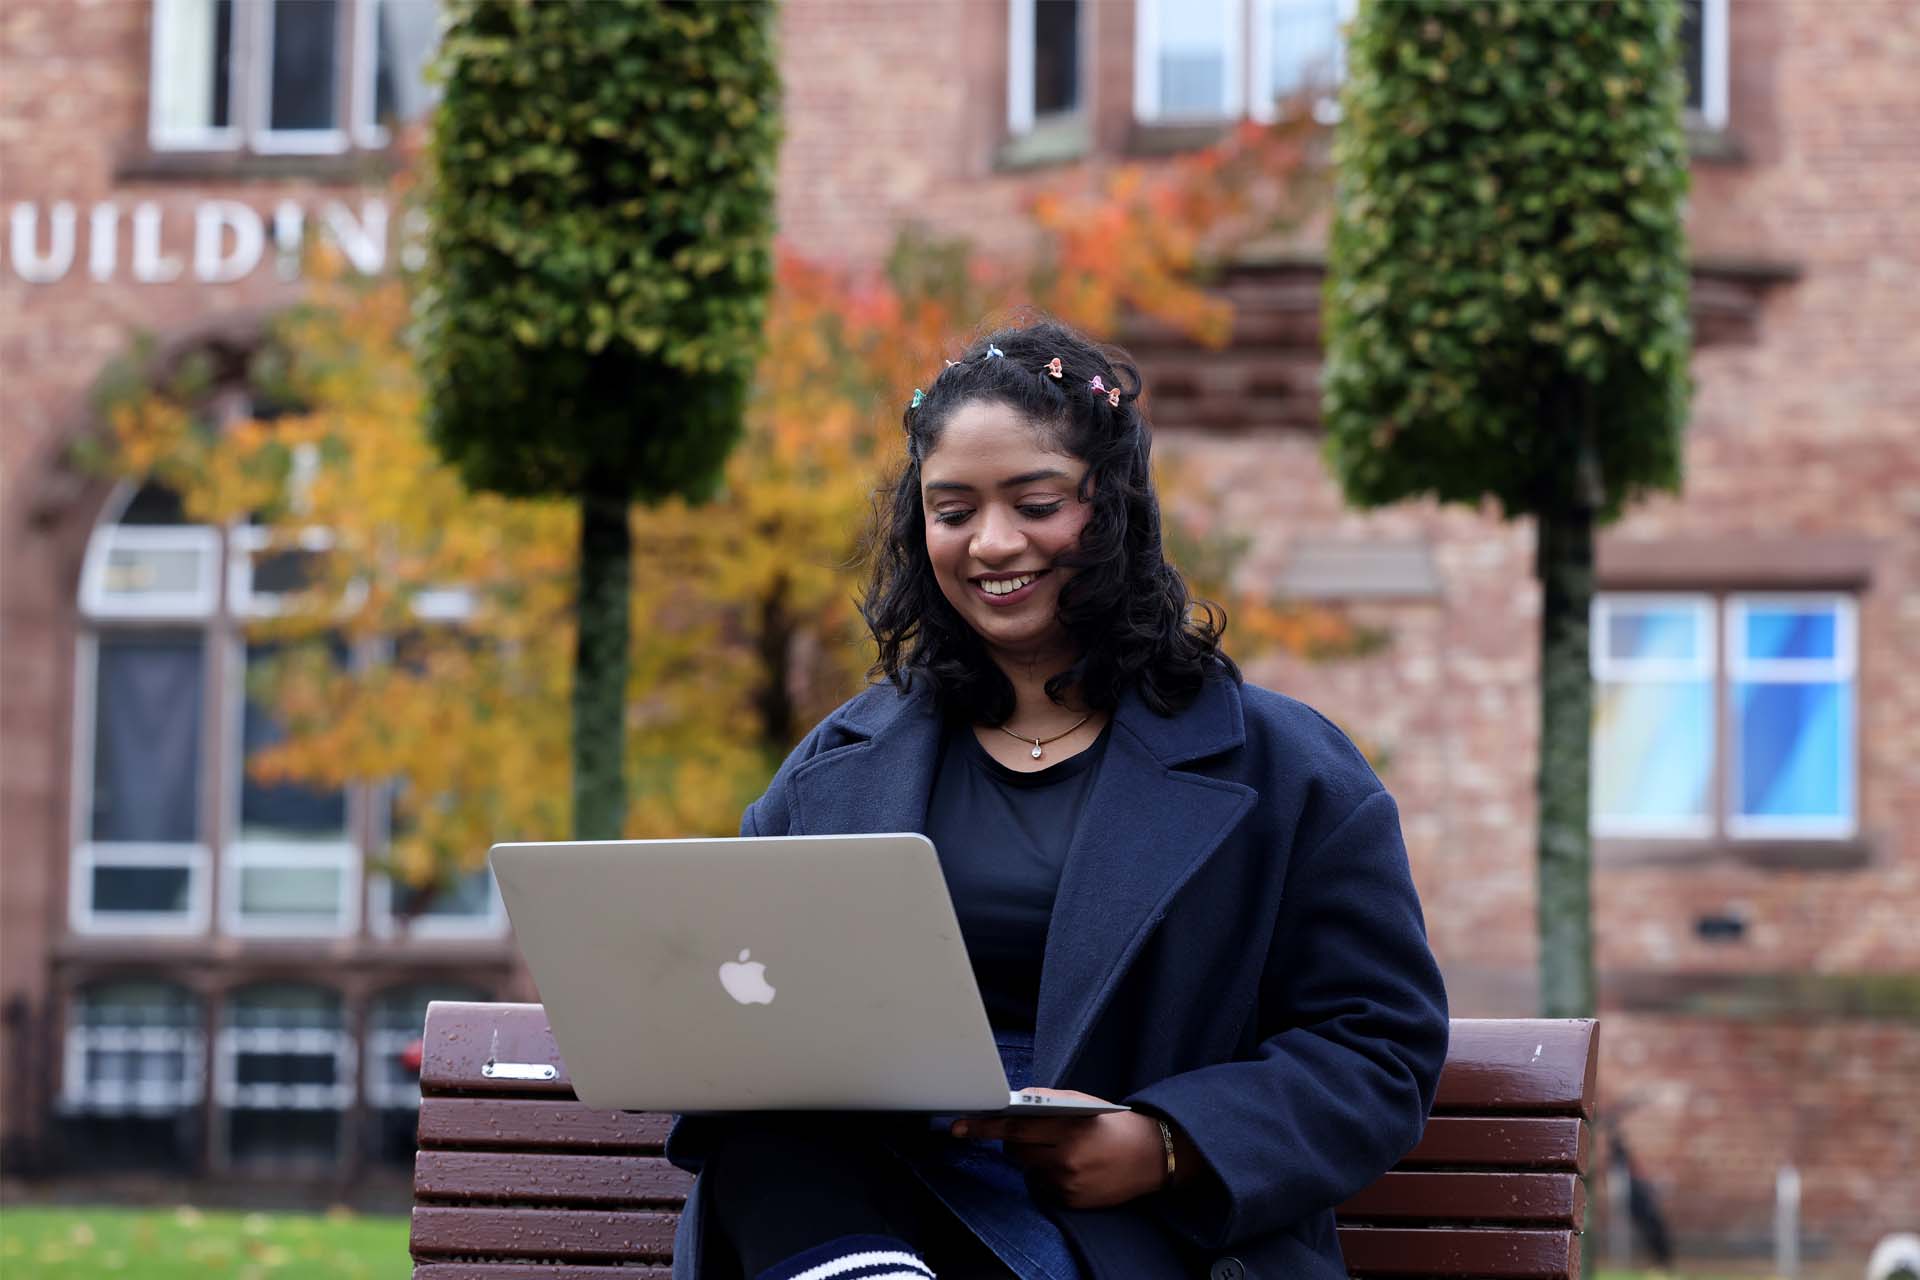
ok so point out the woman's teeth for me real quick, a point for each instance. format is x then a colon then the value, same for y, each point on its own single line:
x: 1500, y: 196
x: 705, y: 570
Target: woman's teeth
x: 1004, y: 586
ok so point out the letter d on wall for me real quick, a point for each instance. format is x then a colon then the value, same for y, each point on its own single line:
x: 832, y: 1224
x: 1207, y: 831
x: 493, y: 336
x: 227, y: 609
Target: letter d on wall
x: 212, y: 220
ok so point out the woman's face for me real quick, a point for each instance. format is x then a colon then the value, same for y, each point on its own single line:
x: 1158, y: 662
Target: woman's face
x: 1001, y: 508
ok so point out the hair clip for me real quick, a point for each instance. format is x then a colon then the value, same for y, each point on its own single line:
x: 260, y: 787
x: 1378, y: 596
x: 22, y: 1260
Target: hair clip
x: 1053, y: 366
x: 992, y: 351
x: 918, y: 396
x: 952, y: 363
x: 1113, y: 393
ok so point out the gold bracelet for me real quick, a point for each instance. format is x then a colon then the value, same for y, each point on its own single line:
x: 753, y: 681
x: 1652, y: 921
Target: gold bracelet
x: 1166, y: 1140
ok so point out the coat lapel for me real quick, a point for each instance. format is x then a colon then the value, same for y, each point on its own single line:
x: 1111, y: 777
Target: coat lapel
x: 880, y: 784
x: 1146, y: 828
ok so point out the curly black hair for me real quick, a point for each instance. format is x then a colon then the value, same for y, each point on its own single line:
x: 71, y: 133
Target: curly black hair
x: 1126, y: 610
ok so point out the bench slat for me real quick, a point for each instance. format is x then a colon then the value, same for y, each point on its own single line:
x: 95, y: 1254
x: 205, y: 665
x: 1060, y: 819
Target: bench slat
x: 538, y: 1124
x: 541, y: 1234
x: 519, y: 1178
x: 1461, y: 1251
x: 1543, y: 1199
x: 533, y: 1271
x: 1534, y: 1065
x: 462, y: 1036
x: 1503, y: 1142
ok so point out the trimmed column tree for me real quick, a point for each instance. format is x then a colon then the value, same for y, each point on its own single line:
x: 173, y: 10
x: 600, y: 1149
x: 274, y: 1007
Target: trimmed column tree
x: 600, y: 254
x: 1506, y: 317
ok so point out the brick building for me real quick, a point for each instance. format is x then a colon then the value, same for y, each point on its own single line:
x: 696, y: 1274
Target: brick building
x: 197, y: 973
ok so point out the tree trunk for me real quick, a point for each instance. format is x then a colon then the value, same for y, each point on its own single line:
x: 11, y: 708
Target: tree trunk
x: 600, y: 666
x: 1565, y: 568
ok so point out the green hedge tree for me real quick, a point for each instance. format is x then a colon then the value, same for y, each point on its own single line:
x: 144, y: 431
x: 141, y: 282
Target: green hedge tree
x: 1506, y: 316
x: 601, y: 204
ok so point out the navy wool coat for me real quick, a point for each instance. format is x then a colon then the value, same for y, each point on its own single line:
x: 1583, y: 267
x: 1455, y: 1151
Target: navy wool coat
x: 1236, y: 946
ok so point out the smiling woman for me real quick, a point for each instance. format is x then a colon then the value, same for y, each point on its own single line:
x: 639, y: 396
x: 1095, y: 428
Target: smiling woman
x: 1176, y: 890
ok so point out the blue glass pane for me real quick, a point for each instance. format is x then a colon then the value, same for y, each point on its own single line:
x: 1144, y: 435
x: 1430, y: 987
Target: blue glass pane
x: 1193, y: 57
x: 1791, y: 633
x: 1652, y: 749
x: 1654, y: 633
x: 1796, y: 750
x: 1305, y: 42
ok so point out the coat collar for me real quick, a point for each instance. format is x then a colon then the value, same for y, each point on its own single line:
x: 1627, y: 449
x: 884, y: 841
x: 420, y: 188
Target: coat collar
x: 1147, y: 827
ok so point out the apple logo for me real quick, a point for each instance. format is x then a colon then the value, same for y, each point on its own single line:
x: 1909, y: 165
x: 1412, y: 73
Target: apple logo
x: 746, y: 981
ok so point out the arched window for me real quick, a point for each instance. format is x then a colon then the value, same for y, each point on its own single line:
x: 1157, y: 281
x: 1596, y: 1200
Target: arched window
x: 162, y: 702
x: 283, y: 1075
x: 134, y: 1075
x: 394, y: 1024
x: 149, y: 589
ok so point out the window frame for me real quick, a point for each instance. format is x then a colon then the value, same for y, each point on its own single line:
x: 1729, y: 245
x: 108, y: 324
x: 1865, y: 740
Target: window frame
x: 1260, y: 105
x: 230, y: 1095
x: 86, y: 854
x: 250, y: 87
x: 1715, y: 15
x: 1147, y: 107
x: 1022, y: 58
x: 1843, y: 667
x: 1724, y: 830
x: 227, y: 138
x: 1603, y: 666
x: 244, y: 543
x: 76, y: 1091
x: 239, y: 854
x: 180, y: 606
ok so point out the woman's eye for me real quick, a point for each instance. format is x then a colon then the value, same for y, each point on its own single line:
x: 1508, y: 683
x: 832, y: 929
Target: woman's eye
x: 1040, y: 511
x: 951, y: 517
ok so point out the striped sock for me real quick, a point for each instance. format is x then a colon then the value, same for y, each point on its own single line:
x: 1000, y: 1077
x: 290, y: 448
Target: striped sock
x: 854, y: 1258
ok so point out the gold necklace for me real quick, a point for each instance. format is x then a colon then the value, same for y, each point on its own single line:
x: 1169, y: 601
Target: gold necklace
x: 1041, y: 742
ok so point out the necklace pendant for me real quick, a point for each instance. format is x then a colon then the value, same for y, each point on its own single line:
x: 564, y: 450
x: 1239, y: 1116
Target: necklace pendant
x: 1036, y: 751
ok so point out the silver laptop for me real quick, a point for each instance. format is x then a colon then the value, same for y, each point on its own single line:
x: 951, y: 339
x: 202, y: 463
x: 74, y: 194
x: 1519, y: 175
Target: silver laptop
x: 780, y: 973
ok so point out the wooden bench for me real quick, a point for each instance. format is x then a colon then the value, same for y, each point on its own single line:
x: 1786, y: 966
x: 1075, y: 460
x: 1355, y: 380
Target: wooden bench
x: 515, y: 1180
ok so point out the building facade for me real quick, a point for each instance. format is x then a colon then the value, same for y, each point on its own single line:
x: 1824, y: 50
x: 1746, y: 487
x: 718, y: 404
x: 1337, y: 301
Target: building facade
x: 200, y: 973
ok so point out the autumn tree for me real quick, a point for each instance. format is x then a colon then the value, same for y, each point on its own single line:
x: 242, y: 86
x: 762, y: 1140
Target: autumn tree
x: 601, y: 205
x: 1506, y: 317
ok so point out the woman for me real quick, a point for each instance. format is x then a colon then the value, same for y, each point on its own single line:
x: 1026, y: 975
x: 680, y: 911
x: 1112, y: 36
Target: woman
x: 1177, y: 890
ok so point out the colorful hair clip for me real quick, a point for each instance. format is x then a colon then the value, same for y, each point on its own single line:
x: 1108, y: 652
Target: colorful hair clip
x: 1096, y: 384
x: 918, y: 396
x: 952, y: 363
x: 992, y: 351
x: 1053, y: 366
x: 1113, y: 397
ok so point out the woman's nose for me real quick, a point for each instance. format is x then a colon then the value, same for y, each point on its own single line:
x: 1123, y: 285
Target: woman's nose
x: 996, y: 537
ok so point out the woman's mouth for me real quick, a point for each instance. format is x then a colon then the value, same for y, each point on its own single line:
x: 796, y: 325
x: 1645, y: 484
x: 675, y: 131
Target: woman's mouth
x: 1008, y: 589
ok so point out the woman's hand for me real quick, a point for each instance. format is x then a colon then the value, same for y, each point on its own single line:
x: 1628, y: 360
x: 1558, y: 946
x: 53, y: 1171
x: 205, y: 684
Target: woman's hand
x: 1089, y: 1162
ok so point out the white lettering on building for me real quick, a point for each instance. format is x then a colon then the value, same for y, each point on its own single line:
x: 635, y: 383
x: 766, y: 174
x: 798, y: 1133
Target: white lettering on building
x: 150, y: 266
x: 28, y: 262
x: 212, y: 261
x: 229, y: 239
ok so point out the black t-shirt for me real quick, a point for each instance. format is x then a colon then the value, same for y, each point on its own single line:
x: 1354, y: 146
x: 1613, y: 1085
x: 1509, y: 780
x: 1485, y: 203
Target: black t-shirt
x: 1002, y: 836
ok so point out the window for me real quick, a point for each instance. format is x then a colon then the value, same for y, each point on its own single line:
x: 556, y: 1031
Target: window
x: 1703, y: 52
x: 1299, y: 51
x: 1187, y: 60
x: 140, y: 852
x: 283, y: 1074
x: 134, y: 1076
x: 287, y: 76
x: 291, y: 867
x: 469, y: 907
x: 1044, y: 62
x: 1724, y: 716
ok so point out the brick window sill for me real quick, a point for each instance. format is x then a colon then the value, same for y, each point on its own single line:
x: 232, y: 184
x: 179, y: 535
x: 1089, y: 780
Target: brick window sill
x: 358, y: 165
x: 1763, y: 855
x: 1046, y: 145
x: 1709, y: 145
x: 1172, y: 139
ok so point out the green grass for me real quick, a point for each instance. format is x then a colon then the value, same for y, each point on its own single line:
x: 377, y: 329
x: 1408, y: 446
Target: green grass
x: 187, y: 1244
